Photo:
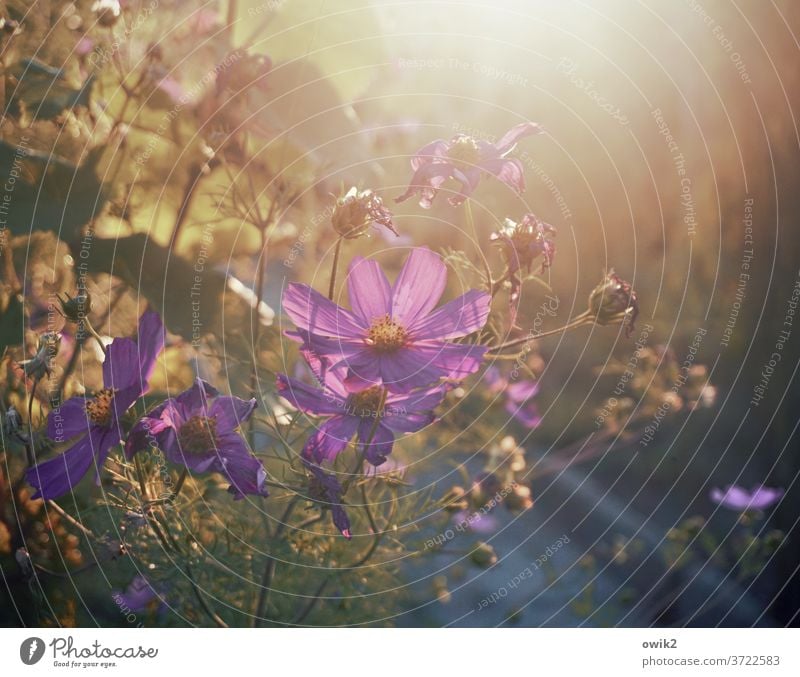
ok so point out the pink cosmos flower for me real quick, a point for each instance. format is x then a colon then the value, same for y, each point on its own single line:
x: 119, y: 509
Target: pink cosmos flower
x: 464, y: 158
x: 739, y: 498
x: 392, y: 336
x: 369, y: 416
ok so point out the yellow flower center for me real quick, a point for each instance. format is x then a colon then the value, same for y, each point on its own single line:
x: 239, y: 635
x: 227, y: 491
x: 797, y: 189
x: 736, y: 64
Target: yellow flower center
x: 386, y: 336
x: 368, y: 403
x: 99, y: 407
x: 198, y: 435
x: 464, y: 151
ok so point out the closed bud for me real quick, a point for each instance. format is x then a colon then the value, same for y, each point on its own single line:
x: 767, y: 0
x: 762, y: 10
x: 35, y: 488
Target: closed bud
x: 483, y: 555
x: 357, y: 211
x: 75, y: 308
x: 614, y: 300
x: 519, y: 499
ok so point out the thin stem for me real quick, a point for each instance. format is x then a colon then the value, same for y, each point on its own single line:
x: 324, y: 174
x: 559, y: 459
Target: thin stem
x: 179, y: 484
x: 487, y: 269
x: 269, y: 570
x: 579, y: 321
x: 337, y: 250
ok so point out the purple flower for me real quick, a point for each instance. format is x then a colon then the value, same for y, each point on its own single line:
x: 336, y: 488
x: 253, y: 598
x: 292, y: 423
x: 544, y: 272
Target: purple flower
x: 138, y: 596
x: 738, y: 498
x: 372, y: 415
x: 200, y: 435
x: 393, y: 336
x: 325, y: 489
x: 126, y: 370
x: 522, y: 243
x: 519, y: 396
x: 464, y: 158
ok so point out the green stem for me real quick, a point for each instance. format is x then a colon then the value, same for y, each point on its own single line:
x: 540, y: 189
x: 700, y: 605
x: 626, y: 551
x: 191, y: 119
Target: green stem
x: 579, y: 321
x: 337, y: 250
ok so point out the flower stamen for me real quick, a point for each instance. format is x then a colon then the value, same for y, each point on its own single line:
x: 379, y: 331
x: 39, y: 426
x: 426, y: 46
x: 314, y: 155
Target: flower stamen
x: 198, y: 435
x: 385, y: 335
x: 99, y: 408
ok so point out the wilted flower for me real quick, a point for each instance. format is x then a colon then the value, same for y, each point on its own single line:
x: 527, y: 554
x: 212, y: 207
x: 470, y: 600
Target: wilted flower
x: 614, y: 300
x: 357, y: 211
x: 464, y: 158
x: 41, y: 364
x: 126, y: 370
x: 393, y: 336
x: 197, y: 429
x: 738, y: 498
x: 107, y: 12
x: 75, y: 308
x: 12, y: 422
x: 483, y: 555
x: 325, y: 489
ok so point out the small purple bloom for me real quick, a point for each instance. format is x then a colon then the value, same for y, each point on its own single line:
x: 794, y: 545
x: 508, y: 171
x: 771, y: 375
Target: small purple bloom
x: 464, y: 158
x: 138, y: 596
x: 200, y: 435
x: 372, y: 415
x: 738, y: 498
x: 393, y: 336
x: 325, y: 489
x: 126, y: 370
x: 519, y: 396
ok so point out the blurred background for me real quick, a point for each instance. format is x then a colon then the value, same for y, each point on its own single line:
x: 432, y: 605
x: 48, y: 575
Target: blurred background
x: 671, y: 154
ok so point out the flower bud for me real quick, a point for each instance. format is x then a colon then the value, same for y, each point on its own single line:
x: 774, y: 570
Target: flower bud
x: 519, y: 499
x: 41, y: 363
x: 355, y: 213
x: 614, y: 300
x: 522, y: 243
x: 107, y: 12
x: 483, y: 555
x: 75, y: 308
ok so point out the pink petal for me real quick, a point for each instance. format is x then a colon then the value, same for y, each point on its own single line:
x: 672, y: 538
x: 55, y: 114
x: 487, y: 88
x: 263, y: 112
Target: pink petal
x: 427, y: 154
x: 419, y: 286
x: 455, y: 319
x: 316, y: 314
x: 369, y: 290
x: 509, y: 171
x: 506, y: 144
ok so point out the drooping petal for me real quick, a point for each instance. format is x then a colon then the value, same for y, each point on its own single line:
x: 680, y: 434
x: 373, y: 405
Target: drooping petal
x: 377, y: 445
x: 363, y: 371
x: 59, y: 475
x: 245, y: 472
x: 419, y: 286
x: 150, y: 340
x: 469, y: 179
x: 426, y: 182
x: 308, y: 399
x: 330, y: 438
x: 314, y: 313
x: 462, y: 316
x: 429, y: 153
x: 327, y: 491
x: 368, y: 289
x: 407, y: 422
x: 507, y: 142
x: 68, y: 420
x: 507, y: 170
x: 231, y: 412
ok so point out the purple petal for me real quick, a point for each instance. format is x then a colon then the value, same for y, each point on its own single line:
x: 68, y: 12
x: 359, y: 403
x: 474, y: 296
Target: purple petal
x: 526, y: 413
x: 68, y: 420
x: 426, y: 181
x: 307, y: 398
x: 151, y: 338
x: 506, y: 144
x: 195, y: 399
x: 231, y: 412
x: 331, y: 438
x: 244, y: 471
x: 522, y: 391
x: 509, y: 171
x: 419, y: 286
x: 738, y: 498
x: 313, y: 312
x: 425, y: 363
x: 407, y: 422
x: 462, y: 316
x: 376, y: 445
x: 59, y: 475
x: 469, y: 179
x: 427, y: 154
x: 363, y: 371
x: 368, y: 289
